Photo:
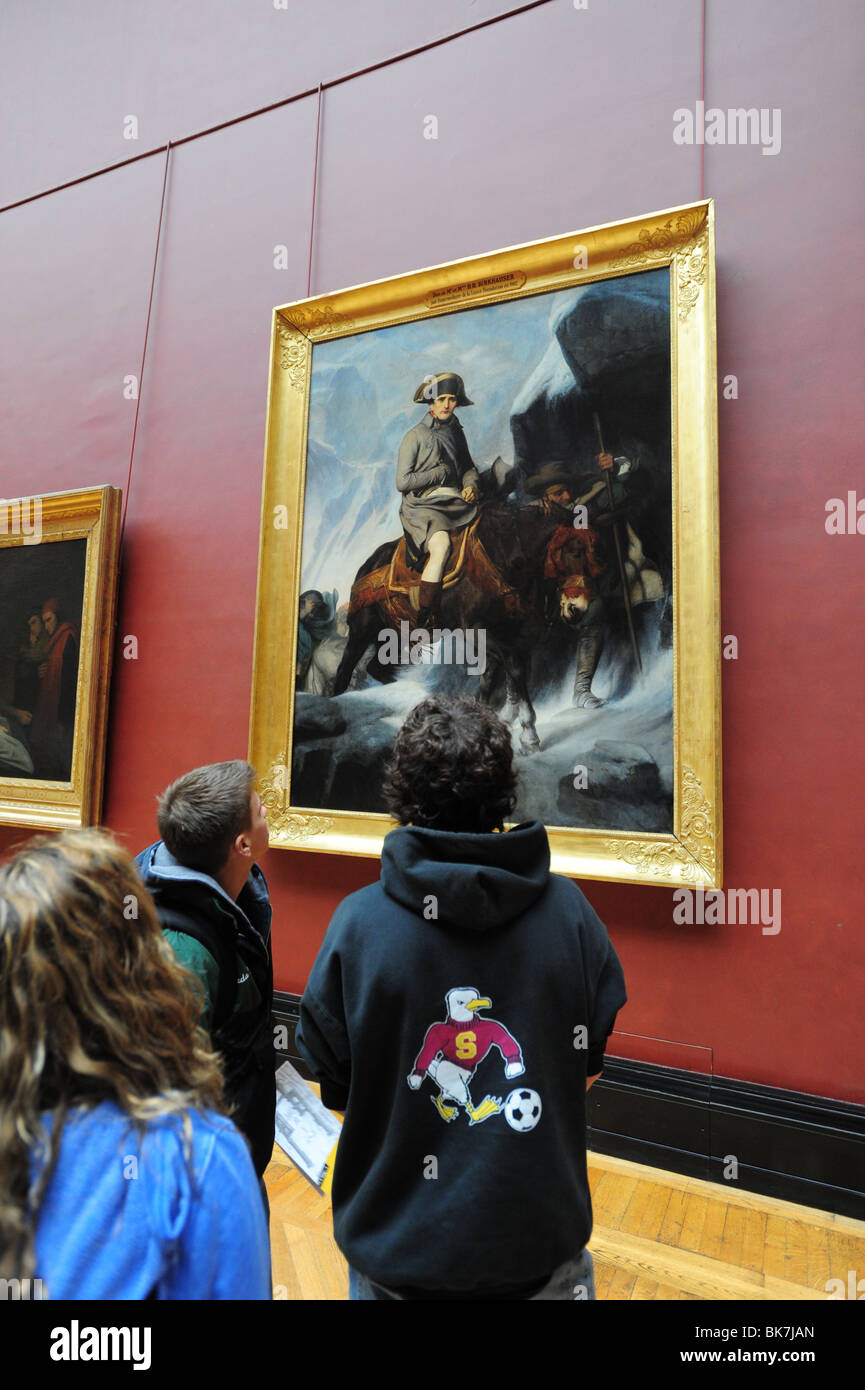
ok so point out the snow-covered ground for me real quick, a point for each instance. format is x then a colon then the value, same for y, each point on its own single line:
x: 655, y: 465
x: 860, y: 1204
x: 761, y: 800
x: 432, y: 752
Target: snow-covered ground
x: 621, y: 756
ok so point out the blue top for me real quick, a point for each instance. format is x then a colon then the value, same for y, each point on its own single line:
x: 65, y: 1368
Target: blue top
x: 124, y: 1216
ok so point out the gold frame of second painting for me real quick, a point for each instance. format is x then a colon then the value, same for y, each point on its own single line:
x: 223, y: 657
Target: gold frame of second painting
x: 681, y: 238
x: 92, y: 515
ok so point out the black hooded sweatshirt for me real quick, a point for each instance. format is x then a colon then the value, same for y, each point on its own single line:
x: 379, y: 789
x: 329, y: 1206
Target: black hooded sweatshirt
x: 454, y: 1012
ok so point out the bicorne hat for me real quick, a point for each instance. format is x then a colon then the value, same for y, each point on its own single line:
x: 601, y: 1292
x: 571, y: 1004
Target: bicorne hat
x: 441, y: 384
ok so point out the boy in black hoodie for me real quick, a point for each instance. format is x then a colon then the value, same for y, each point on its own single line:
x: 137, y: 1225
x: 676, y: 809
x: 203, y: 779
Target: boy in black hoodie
x: 458, y: 1011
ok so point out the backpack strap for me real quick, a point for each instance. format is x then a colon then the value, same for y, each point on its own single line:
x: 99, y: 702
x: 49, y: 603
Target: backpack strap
x: 208, y: 935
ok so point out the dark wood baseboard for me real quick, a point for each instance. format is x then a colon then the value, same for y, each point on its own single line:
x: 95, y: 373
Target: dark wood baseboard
x: 787, y: 1144
x: 801, y: 1148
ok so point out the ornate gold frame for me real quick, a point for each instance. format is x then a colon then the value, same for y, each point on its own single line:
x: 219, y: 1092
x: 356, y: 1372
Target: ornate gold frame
x: 92, y: 515
x: 682, y: 238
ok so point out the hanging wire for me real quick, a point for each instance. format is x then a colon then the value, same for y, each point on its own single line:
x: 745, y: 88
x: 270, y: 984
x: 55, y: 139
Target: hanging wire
x: 314, y: 185
x: 144, y: 346
x: 703, y: 96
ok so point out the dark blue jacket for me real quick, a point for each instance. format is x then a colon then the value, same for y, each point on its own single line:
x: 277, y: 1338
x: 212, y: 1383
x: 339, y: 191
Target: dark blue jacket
x: 245, y: 1040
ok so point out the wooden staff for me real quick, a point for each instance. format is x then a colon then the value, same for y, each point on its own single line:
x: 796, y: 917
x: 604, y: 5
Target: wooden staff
x: 622, y: 574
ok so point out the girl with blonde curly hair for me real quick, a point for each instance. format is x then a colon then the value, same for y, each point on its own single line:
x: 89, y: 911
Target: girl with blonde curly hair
x: 120, y: 1174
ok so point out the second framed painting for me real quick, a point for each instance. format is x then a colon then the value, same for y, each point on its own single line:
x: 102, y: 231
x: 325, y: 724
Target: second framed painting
x: 58, y: 587
x: 498, y: 478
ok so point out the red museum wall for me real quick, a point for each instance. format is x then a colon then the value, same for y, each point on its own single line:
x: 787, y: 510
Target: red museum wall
x: 549, y: 118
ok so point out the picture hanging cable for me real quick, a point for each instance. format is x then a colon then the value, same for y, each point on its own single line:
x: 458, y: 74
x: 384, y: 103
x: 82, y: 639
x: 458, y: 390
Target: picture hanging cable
x: 702, y: 94
x: 144, y: 346
x: 314, y: 185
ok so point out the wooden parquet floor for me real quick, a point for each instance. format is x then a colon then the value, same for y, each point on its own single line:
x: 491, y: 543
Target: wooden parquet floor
x: 657, y: 1235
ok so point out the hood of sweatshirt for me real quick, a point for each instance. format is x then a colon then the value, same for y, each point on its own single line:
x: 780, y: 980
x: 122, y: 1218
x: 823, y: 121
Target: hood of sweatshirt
x: 479, y: 882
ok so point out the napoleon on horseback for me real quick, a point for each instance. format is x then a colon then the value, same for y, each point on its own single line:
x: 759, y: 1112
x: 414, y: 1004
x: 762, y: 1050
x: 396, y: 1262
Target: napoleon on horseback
x: 439, y: 484
x: 473, y: 559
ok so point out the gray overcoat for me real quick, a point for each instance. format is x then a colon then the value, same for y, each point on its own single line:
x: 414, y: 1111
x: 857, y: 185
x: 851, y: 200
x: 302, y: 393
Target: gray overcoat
x: 434, y: 456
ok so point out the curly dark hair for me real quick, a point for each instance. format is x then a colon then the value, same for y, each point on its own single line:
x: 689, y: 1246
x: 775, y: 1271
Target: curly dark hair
x: 452, y: 768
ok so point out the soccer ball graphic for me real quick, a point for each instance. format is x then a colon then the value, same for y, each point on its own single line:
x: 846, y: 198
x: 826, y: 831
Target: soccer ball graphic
x: 523, y: 1110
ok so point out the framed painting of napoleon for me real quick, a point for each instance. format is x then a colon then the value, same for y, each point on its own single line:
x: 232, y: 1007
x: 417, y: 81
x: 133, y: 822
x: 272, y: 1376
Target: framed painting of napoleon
x: 58, y: 570
x: 499, y: 477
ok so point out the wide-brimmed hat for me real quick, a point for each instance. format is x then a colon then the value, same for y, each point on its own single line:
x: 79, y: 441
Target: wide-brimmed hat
x: 550, y: 474
x: 442, y: 384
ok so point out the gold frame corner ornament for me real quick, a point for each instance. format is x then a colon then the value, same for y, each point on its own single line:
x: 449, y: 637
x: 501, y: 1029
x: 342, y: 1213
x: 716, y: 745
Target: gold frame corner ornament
x: 681, y: 239
x: 283, y: 824
x: 688, y: 858
x: 698, y: 823
x: 293, y: 352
